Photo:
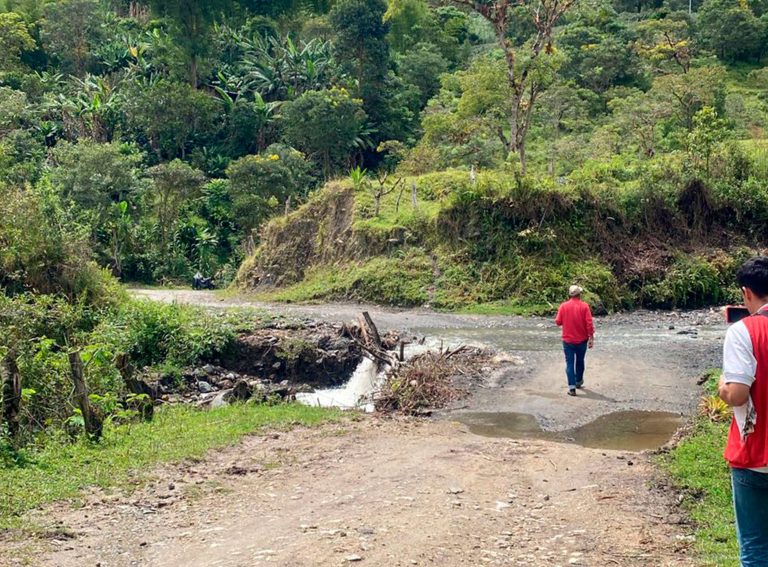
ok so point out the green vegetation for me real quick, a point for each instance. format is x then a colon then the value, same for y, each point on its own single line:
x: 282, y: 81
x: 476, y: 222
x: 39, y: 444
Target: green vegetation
x: 61, y: 469
x: 40, y: 331
x: 697, y: 466
x: 505, y: 244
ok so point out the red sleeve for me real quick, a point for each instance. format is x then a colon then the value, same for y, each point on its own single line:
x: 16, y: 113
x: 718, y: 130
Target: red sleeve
x: 590, y: 323
x: 559, y: 318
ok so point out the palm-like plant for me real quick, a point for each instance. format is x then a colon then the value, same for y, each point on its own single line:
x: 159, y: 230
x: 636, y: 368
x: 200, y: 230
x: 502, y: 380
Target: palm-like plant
x: 87, y: 108
x: 281, y: 69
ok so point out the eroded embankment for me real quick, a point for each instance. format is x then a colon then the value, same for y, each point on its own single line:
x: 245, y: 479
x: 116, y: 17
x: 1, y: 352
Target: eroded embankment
x: 502, y: 242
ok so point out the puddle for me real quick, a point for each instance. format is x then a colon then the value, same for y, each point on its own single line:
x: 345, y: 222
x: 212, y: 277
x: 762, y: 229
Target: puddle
x: 623, y: 431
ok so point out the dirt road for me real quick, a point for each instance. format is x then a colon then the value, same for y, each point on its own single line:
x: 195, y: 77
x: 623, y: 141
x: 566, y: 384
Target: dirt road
x: 391, y: 493
x: 385, y: 494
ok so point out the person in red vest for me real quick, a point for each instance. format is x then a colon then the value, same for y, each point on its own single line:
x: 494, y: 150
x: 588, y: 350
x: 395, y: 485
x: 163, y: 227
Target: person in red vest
x: 744, y: 386
x: 575, y: 317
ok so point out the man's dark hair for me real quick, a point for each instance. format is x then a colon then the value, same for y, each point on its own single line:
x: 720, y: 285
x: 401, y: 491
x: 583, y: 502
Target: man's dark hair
x: 753, y: 274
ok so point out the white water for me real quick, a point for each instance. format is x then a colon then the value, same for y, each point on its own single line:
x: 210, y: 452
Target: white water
x: 357, y: 393
x: 362, y: 386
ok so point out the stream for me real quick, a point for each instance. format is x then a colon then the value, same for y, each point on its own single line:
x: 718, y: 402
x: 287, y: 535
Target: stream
x: 640, y: 380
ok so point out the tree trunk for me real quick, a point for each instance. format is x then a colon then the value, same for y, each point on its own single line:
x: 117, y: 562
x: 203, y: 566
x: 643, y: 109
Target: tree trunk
x: 144, y: 403
x: 372, y: 330
x: 414, y: 200
x: 93, y: 423
x: 193, y: 71
x: 11, y: 395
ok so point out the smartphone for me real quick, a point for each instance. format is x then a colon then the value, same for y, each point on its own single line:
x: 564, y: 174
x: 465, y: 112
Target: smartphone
x: 735, y: 313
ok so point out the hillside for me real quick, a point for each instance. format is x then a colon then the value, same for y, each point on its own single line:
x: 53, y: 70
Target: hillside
x: 502, y: 242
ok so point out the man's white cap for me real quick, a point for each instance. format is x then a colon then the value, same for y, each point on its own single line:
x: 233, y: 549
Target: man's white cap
x: 574, y: 291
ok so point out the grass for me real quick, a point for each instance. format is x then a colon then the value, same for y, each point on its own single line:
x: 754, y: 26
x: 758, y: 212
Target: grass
x: 697, y: 466
x: 509, y: 308
x: 61, y: 470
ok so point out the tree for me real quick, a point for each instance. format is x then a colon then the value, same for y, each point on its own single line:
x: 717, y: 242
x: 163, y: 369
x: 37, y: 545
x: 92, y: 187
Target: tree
x: 410, y: 22
x: 362, y: 49
x: 192, y: 21
x: 636, y: 119
x: 94, y: 175
x: 70, y: 30
x: 261, y: 184
x: 522, y: 63
x: 172, y: 117
x: 731, y: 30
x: 14, y: 41
x: 690, y: 92
x: 485, y: 96
x: 666, y: 41
x: 564, y: 109
x: 326, y: 126
x: 422, y: 67
x: 708, y: 131
x: 174, y: 184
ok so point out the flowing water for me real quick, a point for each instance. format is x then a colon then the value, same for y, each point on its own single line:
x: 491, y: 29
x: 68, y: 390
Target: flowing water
x: 357, y: 393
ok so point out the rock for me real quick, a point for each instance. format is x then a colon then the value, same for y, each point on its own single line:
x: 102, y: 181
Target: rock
x: 353, y: 558
x: 204, y: 387
x: 208, y: 369
x: 220, y: 400
x: 506, y: 358
x: 455, y: 490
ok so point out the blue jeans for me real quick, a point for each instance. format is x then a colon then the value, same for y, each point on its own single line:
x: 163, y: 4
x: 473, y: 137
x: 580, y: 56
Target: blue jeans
x: 574, y: 362
x: 750, y: 500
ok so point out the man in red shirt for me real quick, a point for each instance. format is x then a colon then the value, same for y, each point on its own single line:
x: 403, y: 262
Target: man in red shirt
x: 744, y: 386
x: 575, y: 317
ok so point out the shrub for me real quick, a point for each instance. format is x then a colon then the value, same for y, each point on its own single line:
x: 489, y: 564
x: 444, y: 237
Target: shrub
x: 260, y: 183
x: 153, y: 333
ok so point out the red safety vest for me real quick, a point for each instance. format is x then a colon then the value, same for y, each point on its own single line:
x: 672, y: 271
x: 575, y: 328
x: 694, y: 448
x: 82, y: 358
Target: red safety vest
x: 753, y: 453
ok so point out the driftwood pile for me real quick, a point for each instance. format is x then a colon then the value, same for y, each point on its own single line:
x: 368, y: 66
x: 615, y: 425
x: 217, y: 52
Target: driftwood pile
x: 387, y: 350
x: 419, y: 385
x: 425, y: 382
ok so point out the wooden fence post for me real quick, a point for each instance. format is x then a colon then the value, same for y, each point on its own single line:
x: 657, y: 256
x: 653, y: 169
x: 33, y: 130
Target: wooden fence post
x: 11, y: 394
x: 93, y: 423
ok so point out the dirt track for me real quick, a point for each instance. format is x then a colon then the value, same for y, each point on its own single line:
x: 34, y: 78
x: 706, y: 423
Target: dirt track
x: 387, y: 493
x: 390, y: 494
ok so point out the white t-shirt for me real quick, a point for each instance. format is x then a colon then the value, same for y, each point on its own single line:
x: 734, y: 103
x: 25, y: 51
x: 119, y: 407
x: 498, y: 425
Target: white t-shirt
x: 740, y: 367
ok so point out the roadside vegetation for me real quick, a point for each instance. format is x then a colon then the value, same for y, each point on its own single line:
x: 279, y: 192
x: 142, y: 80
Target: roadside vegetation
x: 697, y: 466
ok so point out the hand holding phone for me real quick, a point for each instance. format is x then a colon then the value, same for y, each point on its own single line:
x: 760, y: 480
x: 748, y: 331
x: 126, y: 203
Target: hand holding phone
x: 735, y: 313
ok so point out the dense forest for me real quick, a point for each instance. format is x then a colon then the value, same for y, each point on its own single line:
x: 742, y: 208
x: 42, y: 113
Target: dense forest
x: 456, y: 153
x: 161, y: 135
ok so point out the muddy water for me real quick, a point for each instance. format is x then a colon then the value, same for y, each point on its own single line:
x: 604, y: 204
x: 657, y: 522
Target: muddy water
x: 624, y: 431
x: 535, y: 335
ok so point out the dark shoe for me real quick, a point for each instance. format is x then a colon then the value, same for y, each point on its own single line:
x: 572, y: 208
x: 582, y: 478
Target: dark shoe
x: 572, y: 392
x: 580, y: 385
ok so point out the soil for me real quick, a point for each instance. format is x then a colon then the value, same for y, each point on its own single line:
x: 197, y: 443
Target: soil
x: 392, y: 492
